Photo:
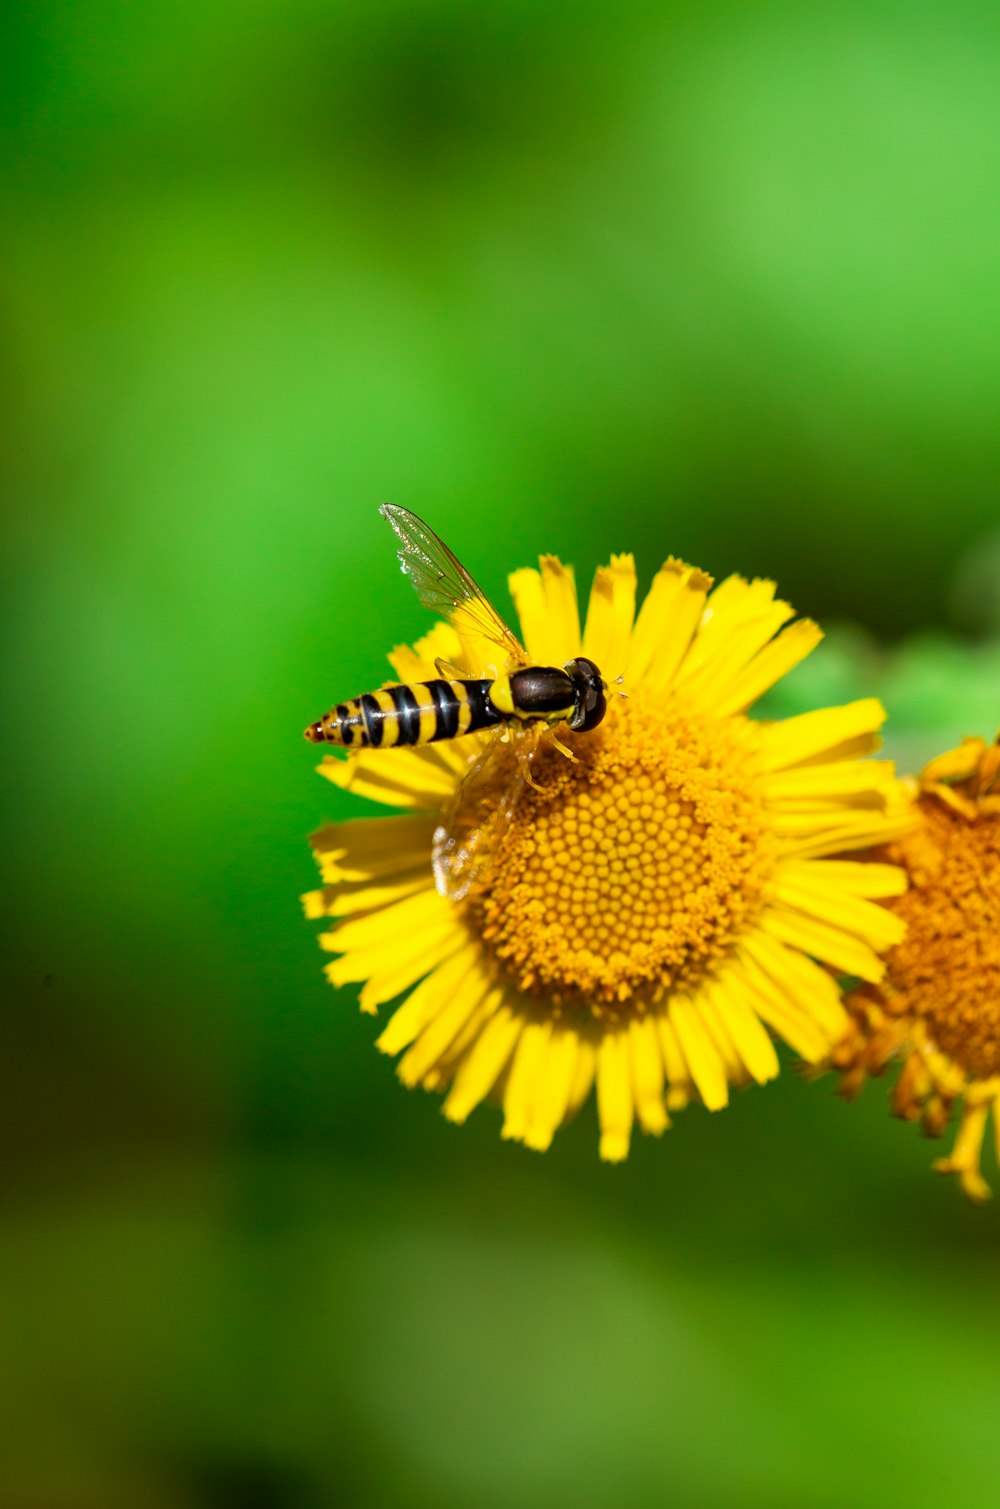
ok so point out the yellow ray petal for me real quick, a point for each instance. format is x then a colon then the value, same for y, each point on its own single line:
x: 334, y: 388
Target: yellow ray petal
x: 838, y: 781
x: 813, y: 992
x: 424, y: 1003
x: 555, y: 1083
x: 438, y: 1034
x: 394, y: 947
x: 529, y: 600
x: 735, y: 600
x: 345, y: 899
x: 398, y: 777
x: 876, y: 881
x: 392, y: 925
x: 440, y: 933
x: 838, y: 909
x: 828, y: 735
x: 734, y: 604
x: 956, y: 764
x: 419, y: 663
x: 647, y: 1075
x: 547, y: 608
x: 610, y: 615
x: 614, y: 1094
x: 700, y: 1054
x: 484, y: 1063
x: 314, y: 904
x: 717, y: 1028
x: 368, y: 849
x: 781, y: 1011
x: 522, y: 1083
x: 710, y: 681
x: 964, y: 1159
x: 389, y: 972
x: 584, y: 1073
x: 467, y: 1035
x: 791, y: 824
x: 773, y: 662
x: 829, y: 944
x: 680, y: 1086
x: 840, y: 833
x: 748, y: 1033
x: 666, y: 624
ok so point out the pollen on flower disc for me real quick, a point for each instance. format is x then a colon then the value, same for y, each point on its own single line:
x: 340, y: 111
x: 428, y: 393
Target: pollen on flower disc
x: 634, y: 870
x: 947, y: 969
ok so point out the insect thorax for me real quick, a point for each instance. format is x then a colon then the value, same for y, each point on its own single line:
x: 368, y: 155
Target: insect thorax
x: 573, y: 694
x: 542, y: 691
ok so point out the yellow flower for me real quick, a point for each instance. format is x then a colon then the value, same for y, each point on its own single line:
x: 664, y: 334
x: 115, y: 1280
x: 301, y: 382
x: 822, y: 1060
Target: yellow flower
x: 938, y: 1008
x: 657, y: 904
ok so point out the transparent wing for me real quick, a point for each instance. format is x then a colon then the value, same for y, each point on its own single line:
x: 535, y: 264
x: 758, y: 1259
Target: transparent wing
x: 468, y: 841
x: 444, y: 586
x: 448, y: 669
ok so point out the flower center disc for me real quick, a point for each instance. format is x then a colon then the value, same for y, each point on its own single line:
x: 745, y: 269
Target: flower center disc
x: 948, y: 965
x: 634, y: 870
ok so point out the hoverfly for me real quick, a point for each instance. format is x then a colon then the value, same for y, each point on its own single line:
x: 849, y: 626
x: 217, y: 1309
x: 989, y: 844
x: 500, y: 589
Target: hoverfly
x: 519, y: 700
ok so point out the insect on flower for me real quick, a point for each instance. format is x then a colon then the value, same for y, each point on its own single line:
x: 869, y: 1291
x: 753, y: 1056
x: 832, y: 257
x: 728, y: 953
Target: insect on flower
x: 524, y: 703
x: 637, y: 917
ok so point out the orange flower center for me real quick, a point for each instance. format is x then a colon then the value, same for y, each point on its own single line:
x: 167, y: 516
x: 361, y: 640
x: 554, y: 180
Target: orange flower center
x: 634, y: 870
x: 947, y: 969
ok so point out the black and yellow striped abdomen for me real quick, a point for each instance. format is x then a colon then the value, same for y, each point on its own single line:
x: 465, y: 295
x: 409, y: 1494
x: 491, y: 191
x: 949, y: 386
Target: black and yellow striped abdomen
x: 418, y: 713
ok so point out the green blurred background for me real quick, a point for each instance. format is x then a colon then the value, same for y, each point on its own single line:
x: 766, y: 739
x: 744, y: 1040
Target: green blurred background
x: 718, y: 280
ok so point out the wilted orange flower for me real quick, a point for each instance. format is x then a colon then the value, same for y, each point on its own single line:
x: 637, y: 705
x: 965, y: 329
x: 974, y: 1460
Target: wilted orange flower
x: 938, y: 1008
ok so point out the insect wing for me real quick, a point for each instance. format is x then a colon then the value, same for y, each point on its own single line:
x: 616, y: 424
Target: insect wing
x: 467, y: 842
x: 445, y: 587
x: 448, y: 669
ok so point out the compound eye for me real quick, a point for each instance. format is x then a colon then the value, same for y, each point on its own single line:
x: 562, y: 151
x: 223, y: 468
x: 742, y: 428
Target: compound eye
x: 586, y: 671
x: 596, y: 706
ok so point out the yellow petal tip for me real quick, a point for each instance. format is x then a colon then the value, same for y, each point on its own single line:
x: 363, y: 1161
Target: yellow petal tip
x: 614, y: 1147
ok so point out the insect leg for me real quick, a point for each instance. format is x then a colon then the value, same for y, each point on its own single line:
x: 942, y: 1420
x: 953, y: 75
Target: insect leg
x: 524, y: 759
x: 562, y: 748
